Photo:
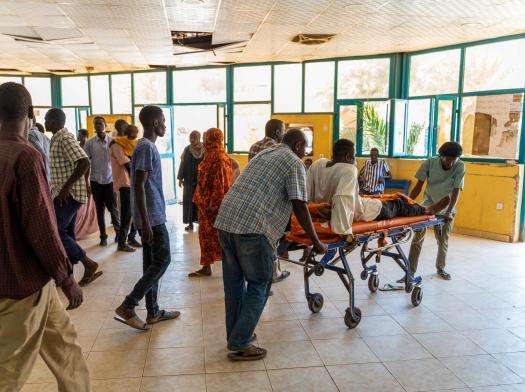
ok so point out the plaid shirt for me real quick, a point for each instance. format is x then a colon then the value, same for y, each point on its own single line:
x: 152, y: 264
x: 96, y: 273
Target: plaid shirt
x: 64, y: 153
x: 31, y: 252
x: 263, y: 144
x: 259, y: 201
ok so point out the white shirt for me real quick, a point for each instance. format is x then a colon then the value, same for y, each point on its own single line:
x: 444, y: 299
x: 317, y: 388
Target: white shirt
x: 337, y: 185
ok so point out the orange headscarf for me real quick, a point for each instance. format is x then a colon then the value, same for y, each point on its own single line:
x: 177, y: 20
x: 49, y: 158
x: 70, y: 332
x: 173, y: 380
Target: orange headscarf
x: 215, y: 173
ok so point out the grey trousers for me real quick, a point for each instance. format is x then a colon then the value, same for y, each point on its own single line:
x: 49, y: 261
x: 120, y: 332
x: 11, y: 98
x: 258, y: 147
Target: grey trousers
x: 442, y: 241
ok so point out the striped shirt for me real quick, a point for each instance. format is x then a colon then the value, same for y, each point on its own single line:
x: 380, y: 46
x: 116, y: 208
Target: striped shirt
x: 370, y: 175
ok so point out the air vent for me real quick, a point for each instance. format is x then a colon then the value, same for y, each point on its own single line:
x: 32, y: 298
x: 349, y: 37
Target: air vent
x: 312, y: 39
x: 9, y: 70
x: 198, y: 42
x: 156, y: 66
x: 61, y: 70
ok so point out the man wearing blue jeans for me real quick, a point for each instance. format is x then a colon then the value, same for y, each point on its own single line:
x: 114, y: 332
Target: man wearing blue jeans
x: 252, y: 218
x: 149, y: 214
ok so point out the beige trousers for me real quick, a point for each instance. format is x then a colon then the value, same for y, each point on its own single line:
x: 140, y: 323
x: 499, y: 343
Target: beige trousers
x: 40, y: 324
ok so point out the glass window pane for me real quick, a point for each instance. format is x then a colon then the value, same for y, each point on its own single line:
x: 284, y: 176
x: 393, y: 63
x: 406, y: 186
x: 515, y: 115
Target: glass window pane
x: 363, y: 78
x: 287, y: 86
x: 435, y: 73
x: 444, y: 122
x: 74, y: 91
x: 252, y: 83
x: 121, y: 93
x: 168, y: 178
x: 375, y: 127
x: 418, y: 124
x: 71, y: 120
x: 495, y: 66
x: 150, y: 87
x: 491, y: 125
x: 40, y: 90
x: 100, y: 94
x: 399, y: 126
x: 319, y: 87
x: 248, y: 124
x: 199, y: 85
x: 5, y: 79
x: 348, y: 122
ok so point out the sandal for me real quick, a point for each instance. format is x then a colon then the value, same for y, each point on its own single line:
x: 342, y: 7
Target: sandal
x: 88, y: 279
x: 163, y: 315
x: 282, y: 276
x: 250, y: 353
x: 198, y: 274
x: 133, y: 322
x: 391, y: 287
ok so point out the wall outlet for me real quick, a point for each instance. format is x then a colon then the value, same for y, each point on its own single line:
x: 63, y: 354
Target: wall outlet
x: 499, y: 206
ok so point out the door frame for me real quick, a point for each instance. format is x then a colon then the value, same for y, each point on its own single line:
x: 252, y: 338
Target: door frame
x: 435, y: 120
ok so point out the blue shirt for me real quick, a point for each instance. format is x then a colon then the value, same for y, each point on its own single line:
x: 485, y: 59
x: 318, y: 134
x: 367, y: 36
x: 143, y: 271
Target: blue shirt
x: 98, y: 153
x: 260, y: 200
x: 146, y: 158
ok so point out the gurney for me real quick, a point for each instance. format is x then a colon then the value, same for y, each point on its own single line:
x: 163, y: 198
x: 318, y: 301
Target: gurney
x: 390, y: 235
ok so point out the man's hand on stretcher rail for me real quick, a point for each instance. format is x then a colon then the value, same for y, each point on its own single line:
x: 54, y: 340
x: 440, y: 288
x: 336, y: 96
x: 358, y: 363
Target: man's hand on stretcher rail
x: 300, y: 210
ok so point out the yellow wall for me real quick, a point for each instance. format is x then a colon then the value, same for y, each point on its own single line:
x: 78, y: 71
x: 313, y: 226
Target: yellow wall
x: 486, y: 185
x: 110, y: 122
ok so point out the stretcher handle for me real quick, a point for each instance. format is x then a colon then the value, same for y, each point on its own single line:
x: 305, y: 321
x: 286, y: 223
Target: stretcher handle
x: 407, y: 234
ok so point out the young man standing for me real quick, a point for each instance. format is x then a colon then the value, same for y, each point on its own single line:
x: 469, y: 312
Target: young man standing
x: 97, y: 150
x: 32, y: 318
x: 444, y: 176
x: 149, y: 214
x: 69, y: 189
x: 373, y: 174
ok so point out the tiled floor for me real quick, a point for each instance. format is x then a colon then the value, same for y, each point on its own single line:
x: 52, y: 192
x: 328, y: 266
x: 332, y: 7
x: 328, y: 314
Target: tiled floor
x: 468, y: 334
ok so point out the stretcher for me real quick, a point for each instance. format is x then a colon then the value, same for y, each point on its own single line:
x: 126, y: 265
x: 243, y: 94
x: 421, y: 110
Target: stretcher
x: 390, y: 235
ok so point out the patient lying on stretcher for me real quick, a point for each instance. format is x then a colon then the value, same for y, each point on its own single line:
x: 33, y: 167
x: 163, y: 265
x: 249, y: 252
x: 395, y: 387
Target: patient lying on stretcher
x: 335, y: 182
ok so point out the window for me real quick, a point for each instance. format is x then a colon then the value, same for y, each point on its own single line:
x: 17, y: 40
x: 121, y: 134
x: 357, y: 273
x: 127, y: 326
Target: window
x: 495, y: 66
x: 100, y: 94
x: 121, y: 93
x: 399, y: 126
x: 40, y: 114
x: 287, y: 82
x: 417, y: 127
x: 199, y: 85
x: 375, y: 127
x: 252, y: 83
x: 435, y: 73
x: 71, y: 119
x: 5, y: 79
x: 249, y: 121
x: 75, y: 91
x: 150, y: 87
x: 40, y: 90
x: 363, y: 78
x: 348, y: 123
x: 491, y: 125
x: 319, y: 87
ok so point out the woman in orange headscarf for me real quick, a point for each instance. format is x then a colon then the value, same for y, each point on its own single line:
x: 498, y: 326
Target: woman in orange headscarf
x: 217, y: 172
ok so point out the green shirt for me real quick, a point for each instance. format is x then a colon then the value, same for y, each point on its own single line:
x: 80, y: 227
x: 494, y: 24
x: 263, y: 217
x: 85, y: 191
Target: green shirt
x: 440, y: 182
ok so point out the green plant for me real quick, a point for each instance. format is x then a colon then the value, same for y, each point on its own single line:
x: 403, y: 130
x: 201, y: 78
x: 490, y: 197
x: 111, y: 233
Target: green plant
x: 414, y: 134
x: 374, y: 129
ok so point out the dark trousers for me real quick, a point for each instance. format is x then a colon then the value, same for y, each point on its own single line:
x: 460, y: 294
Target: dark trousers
x: 247, y: 275
x: 66, y: 215
x: 399, y: 208
x: 156, y: 258
x: 125, y: 217
x: 104, y: 197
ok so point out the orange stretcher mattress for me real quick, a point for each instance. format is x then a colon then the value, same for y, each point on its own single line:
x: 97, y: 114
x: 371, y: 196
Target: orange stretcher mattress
x: 327, y: 236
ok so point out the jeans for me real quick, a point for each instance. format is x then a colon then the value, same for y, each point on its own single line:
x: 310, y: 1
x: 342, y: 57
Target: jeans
x: 104, y: 197
x: 247, y: 275
x: 442, y: 240
x: 156, y: 258
x: 125, y: 217
x: 399, y: 208
x: 66, y: 215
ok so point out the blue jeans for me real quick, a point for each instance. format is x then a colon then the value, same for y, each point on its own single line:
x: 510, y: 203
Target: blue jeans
x: 156, y: 258
x: 66, y: 215
x: 247, y: 261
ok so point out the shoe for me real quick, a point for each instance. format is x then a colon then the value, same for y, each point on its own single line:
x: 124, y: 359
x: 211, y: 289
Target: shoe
x: 125, y: 248
x: 103, y: 242
x: 189, y: 228
x: 444, y: 275
x: 282, y: 276
x: 134, y: 243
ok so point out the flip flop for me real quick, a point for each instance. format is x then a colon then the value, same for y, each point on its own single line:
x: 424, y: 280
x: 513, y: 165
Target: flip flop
x: 163, y: 315
x: 251, y: 353
x: 391, y: 287
x: 282, y: 276
x: 133, y: 322
x: 87, y: 280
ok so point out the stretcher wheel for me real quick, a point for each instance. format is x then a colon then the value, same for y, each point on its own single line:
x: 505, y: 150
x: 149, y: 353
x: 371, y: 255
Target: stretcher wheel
x: 417, y: 296
x: 315, y: 302
x: 352, y: 322
x: 364, y: 275
x: 318, y: 269
x: 373, y: 283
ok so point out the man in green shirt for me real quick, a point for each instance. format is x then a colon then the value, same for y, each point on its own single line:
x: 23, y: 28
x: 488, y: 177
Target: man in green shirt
x: 444, y: 176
